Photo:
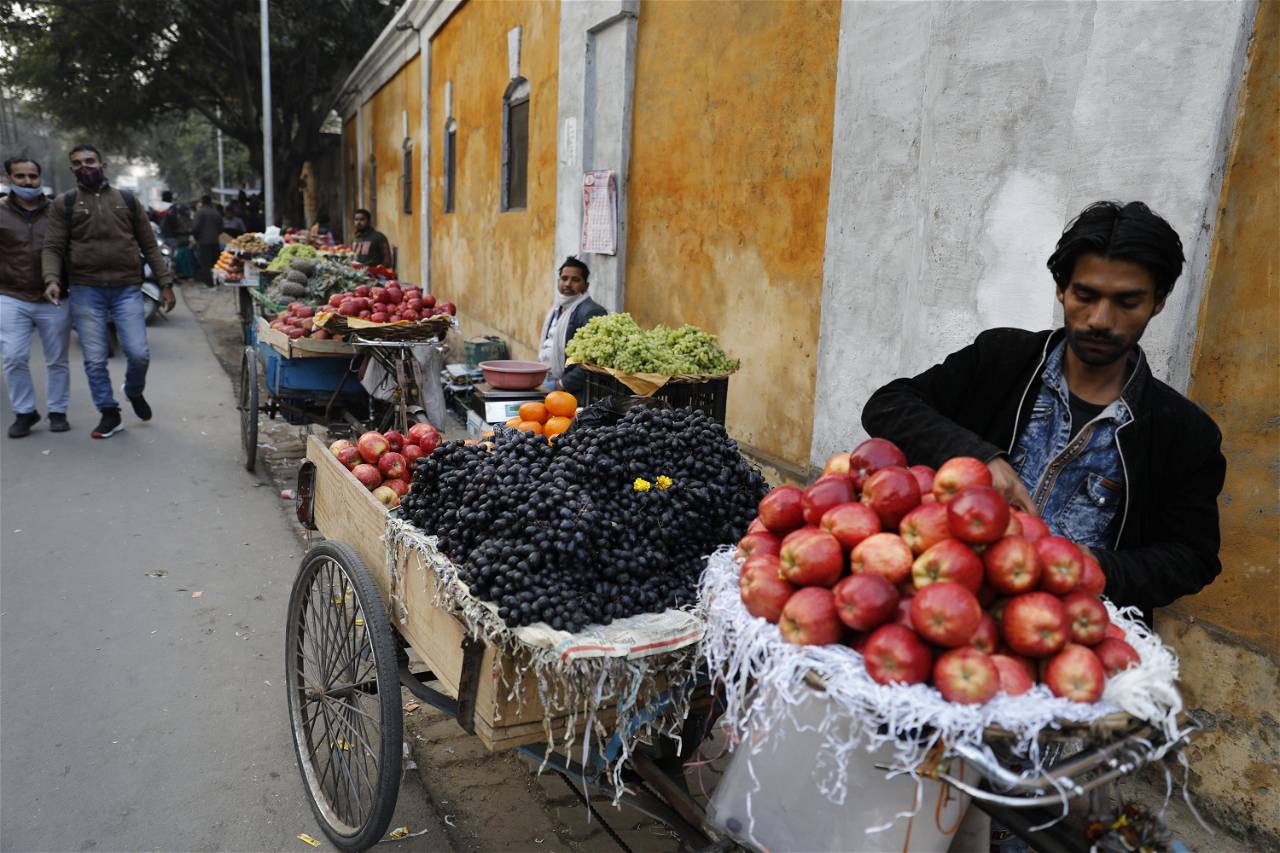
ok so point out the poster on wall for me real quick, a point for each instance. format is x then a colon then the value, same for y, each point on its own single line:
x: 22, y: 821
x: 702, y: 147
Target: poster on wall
x: 600, y: 213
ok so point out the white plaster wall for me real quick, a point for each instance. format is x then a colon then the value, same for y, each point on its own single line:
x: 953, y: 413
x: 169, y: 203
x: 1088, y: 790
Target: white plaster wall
x: 968, y: 134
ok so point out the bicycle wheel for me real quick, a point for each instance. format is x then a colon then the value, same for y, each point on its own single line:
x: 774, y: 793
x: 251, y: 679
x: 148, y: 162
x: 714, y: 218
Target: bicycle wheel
x: 344, y: 696
x: 248, y: 405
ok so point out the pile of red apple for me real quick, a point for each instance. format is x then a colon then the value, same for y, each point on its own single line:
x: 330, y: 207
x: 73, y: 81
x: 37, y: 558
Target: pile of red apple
x: 383, y: 462
x: 933, y: 577
x: 389, y: 304
x: 298, y: 321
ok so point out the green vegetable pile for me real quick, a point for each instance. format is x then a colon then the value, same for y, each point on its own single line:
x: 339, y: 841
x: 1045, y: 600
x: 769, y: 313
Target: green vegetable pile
x: 288, y: 253
x: 332, y: 277
x: 615, y: 341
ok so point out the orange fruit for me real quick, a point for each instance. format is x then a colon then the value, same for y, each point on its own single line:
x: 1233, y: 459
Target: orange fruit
x: 530, y: 426
x: 487, y: 434
x: 556, y: 425
x: 533, y: 412
x: 562, y: 404
x: 513, y: 422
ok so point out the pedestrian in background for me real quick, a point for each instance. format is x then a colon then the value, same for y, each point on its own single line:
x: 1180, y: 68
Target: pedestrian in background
x: 369, y: 244
x: 94, y: 243
x: 27, y: 304
x: 205, y: 228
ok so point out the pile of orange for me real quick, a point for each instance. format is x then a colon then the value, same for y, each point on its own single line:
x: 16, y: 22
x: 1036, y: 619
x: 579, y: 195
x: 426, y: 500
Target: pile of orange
x: 550, y: 417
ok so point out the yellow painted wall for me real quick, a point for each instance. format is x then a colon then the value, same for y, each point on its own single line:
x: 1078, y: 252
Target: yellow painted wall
x: 384, y: 124
x: 499, y: 267
x: 1228, y: 636
x: 727, y: 196
x: 341, y: 222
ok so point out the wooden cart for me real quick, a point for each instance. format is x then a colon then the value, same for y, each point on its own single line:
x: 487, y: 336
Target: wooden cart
x: 346, y: 661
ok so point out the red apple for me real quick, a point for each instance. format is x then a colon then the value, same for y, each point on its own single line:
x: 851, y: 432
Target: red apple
x: 865, y: 601
x: 987, y: 635
x: 837, y: 464
x: 851, y: 523
x: 339, y: 445
x: 1033, y: 529
x: 966, y: 676
x: 924, y: 478
x: 1115, y: 632
x: 759, y: 543
x: 892, y: 492
x: 1075, y: 673
x: 368, y: 475
x: 757, y: 526
x: 782, y: 510
x: 426, y: 436
x: 372, y: 445
x: 1116, y: 655
x: 1087, y: 618
x: 1013, y: 566
x: 763, y: 592
x: 400, y: 487
x: 411, y: 453
x: 1035, y: 624
x: 811, y: 557
x: 395, y: 439
x: 903, y: 616
x: 977, y: 515
x: 1014, y: 527
x: 449, y: 308
x: 925, y: 526
x: 393, y: 466
x: 349, y: 456
x: 810, y: 618
x: 872, y: 455
x: 428, y: 300
x: 1061, y: 564
x: 958, y: 474
x: 884, y: 554
x: 896, y: 655
x: 945, y: 614
x: 949, y: 560
x: 387, y: 496
x: 1092, y: 580
x: 1015, y: 679
x: 827, y: 492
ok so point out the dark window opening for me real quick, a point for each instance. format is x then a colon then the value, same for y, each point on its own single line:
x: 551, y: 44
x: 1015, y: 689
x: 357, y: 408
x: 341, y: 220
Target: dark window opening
x: 515, y: 145
x: 450, y: 164
x: 406, y: 176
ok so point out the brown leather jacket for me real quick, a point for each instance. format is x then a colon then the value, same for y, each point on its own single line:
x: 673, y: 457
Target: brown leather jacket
x: 21, y: 239
x: 104, y: 242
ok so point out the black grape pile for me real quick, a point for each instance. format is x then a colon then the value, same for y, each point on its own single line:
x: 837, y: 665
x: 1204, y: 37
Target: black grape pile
x: 606, y: 522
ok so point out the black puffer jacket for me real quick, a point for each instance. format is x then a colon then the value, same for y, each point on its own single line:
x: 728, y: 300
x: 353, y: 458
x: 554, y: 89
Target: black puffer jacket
x: 977, y: 401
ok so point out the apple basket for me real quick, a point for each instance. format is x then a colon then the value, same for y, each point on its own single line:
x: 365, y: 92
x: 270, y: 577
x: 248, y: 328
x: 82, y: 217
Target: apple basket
x: 1014, y: 744
x: 430, y: 328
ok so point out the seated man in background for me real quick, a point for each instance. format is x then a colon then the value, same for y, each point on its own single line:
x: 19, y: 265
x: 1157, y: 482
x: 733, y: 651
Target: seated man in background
x: 369, y: 244
x: 572, y: 309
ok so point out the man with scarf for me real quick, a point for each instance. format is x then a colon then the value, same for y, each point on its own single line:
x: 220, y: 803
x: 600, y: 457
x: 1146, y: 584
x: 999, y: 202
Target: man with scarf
x: 571, y: 312
x: 94, y: 244
x: 27, y: 304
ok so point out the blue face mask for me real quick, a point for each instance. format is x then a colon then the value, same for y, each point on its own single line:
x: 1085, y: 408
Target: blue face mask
x: 27, y: 193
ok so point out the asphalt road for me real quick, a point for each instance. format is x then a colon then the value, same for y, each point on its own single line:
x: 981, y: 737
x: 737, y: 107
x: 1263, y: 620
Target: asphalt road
x: 143, y: 585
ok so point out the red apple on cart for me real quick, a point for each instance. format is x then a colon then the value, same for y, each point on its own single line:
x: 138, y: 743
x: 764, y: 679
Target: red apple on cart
x: 945, y: 614
x: 872, y: 455
x: 827, y: 492
x: 925, y: 526
x: 1033, y: 529
x: 411, y: 453
x: 896, y: 655
x: 977, y: 515
x: 957, y: 474
x: 400, y: 487
x: 811, y: 557
x: 892, y: 492
x: 865, y: 601
x: 884, y: 554
x: 782, y: 510
x: 809, y: 618
x: 759, y: 543
x: 1092, y: 579
x: 837, y: 465
x: 1115, y: 632
x: 368, y: 475
x: 1015, y: 677
x: 966, y: 676
x: 851, y: 523
x: 949, y: 560
x: 986, y: 637
x: 1061, y: 564
x: 1075, y: 673
x: 763, y: 593
x: 1087, y: 618
x: 1035, y: 624
x: 371, y: 446
x: 1013, y: 566
x: 339, y: 445
x: 393, y: 466
x: 349, y: 456
x: 1115, y: 655
x: 924, y: 479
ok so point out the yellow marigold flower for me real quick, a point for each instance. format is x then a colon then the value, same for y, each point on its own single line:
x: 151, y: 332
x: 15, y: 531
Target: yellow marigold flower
x: 640, y: 485
x: 664, y: 482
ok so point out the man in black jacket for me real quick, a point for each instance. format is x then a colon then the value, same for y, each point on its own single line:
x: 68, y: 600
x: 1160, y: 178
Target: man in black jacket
x: 1073, y: 424
x: 571, y: 312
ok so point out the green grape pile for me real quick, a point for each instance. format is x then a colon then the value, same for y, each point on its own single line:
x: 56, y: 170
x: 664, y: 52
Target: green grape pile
x: 615, y: 341
x: 293, y: 250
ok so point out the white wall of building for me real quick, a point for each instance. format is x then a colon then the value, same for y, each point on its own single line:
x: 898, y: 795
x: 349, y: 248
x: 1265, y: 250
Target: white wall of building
x: 968, y: 134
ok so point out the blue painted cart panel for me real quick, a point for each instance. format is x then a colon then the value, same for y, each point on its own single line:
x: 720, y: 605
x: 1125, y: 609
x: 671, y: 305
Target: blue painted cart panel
x: 314, y: 378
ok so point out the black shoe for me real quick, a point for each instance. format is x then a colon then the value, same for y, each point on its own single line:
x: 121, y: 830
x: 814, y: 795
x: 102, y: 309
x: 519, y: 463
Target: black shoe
x: 140, y: 406
x: 23, y: 423
x: 109, y: 425
x: 58, y: 422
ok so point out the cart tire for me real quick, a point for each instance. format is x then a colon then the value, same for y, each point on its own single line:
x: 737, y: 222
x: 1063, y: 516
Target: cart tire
x: 344, y: 696
x: 248, y: 405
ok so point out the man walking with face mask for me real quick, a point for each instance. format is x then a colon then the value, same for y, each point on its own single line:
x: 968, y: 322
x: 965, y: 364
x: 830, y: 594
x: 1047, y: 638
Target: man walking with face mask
x: 28, y: 305
x: 94, y: 244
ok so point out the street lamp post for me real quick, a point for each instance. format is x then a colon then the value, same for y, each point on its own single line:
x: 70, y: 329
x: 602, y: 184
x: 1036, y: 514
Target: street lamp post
x: 268, y: 176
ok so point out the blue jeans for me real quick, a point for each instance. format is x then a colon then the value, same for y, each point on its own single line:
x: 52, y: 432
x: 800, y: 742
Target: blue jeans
x: 17, y: 320
x: 91, y: 308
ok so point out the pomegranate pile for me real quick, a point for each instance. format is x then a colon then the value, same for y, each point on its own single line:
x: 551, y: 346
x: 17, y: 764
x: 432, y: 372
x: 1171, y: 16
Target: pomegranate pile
x: 933, y: 578
x: 383, y: 462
